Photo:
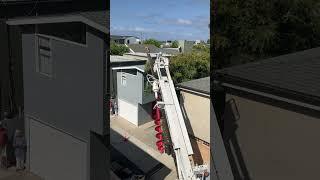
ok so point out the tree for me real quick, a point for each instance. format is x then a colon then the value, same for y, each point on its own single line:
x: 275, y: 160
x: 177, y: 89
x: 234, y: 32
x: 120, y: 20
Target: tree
x: 192, y: 65
x: 246, y: 31
x: 118, y: 49
x: 175, y: 44
x: 201, y: 47
x: 153, y: 42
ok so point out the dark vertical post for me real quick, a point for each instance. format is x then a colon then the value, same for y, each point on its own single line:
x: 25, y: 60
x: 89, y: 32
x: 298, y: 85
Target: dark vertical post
x: 4, y: 64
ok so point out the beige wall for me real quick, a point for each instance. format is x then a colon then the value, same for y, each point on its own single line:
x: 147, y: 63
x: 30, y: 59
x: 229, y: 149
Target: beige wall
x: 198, y: 115
x: 201, y: 152
x: 275, y: 143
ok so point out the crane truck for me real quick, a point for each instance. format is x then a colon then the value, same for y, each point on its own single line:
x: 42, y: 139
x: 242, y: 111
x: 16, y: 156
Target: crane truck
x: 163, y: 87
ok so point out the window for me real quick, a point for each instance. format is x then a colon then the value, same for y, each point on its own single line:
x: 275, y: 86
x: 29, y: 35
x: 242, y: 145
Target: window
x: 44, y: 63
x: 124, y: 79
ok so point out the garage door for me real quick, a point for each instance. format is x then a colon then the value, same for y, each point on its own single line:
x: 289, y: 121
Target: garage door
x: 128, y: 111
x: 56, y: 155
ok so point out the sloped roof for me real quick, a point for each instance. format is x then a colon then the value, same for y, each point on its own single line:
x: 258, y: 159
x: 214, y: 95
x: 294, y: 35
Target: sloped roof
x: 172, y: 51
x: 297, y: 74
x: 201, y: 85
x: 99, y: 17
x: 96, y: 19
x: 122, y: 59
x: 142, y: 48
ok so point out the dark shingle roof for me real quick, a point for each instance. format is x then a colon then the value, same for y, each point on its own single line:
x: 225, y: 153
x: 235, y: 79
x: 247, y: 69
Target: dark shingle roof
x: 96, y: 19
x: 298, y: 72
x: 99, y: 17
x: 200, y: 85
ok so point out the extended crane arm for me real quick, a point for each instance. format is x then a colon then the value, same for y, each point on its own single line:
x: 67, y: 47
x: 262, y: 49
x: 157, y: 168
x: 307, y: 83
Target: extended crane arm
x: 176, y: 124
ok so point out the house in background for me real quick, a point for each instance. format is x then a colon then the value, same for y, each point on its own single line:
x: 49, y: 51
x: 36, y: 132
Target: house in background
x: 194, y: 97
x: 125, y: 39
x: 65, y: 117
x: 130, y: 88
x: 142, y: 48
x: 186, y: 46
x: 271, y: 116
x: 166, y: 44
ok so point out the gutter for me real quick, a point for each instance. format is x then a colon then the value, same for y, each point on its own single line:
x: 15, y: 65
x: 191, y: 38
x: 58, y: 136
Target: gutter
x: 275, y: 97
x: 198, y: 92
x: 269, y: 89
x: 128, y: 67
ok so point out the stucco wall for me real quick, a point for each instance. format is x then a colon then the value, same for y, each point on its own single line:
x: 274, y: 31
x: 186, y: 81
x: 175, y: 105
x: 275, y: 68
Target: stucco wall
x: 197, y: 109
x: 132, y: 92
x: 73, y: 99
x: 56, y: 155
x: 275, y: 143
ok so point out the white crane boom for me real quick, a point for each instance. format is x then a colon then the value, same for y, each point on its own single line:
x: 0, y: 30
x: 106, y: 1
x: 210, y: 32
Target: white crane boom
x: 176, y: 124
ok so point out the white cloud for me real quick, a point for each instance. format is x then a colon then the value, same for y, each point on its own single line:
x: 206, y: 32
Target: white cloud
x: 184, y: 22
x: 178, y: 21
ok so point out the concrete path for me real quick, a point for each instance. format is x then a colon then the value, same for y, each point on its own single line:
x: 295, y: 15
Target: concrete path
x: 141, y: 149
x: 11, y: 174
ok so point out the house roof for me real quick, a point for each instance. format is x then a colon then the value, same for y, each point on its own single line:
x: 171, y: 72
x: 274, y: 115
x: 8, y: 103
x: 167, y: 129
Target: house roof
x: 141, y: 48
x: 96, y: 19
x: 121, y: 36
x: 99, y: 17
x: 295, y: 76
x: 172, y: 51
x: 201, y: 85
x: 122, y: 59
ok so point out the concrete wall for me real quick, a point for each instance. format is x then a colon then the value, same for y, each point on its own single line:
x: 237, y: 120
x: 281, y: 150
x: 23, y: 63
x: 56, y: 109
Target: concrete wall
x: 73, y: 99
x: 197, y: 110
x: 271, y: 143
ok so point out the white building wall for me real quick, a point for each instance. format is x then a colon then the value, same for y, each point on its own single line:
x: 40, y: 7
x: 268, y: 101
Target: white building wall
x: 128, y: 111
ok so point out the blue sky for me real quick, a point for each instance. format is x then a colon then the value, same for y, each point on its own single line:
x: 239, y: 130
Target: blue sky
x: 162, y: 19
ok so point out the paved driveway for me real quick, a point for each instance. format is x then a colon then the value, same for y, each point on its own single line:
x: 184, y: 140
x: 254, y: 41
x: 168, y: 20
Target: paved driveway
x: 11, y: 174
